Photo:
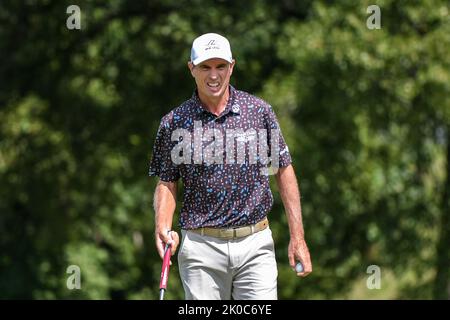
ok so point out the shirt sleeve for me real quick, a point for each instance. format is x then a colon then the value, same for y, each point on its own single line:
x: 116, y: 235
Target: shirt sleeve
x: 283, y: 155
x: 161, y: 164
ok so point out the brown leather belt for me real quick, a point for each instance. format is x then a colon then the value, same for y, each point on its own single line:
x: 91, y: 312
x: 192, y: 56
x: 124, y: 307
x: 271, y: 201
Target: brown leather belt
x: 233, y: 233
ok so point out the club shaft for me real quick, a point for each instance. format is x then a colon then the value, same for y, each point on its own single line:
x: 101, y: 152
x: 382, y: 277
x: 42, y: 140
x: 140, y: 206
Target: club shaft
x: 165, y: 271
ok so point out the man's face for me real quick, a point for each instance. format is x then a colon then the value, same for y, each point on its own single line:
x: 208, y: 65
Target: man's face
x: 212, y: 76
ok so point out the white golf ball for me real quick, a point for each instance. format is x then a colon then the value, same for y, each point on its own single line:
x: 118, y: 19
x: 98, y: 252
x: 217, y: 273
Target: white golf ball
x: 299, y: 267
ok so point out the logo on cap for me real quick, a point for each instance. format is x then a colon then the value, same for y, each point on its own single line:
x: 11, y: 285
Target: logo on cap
x: 212, y: 45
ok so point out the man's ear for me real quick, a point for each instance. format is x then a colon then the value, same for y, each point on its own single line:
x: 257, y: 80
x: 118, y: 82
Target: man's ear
x: 191, y: 68
x: 233, y: 62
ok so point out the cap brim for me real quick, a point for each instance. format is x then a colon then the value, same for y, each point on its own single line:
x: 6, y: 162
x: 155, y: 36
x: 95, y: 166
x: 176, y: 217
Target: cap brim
x: 212, y: 56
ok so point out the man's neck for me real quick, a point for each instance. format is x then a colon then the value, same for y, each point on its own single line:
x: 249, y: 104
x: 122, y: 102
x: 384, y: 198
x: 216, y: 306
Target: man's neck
x: 215, y: 105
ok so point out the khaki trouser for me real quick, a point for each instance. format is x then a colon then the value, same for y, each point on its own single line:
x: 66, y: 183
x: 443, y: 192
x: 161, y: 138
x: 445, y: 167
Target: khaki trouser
x: 213, y: 268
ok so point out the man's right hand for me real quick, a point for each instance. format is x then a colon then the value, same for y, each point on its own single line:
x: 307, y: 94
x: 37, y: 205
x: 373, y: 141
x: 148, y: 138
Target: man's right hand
x: 162, y: 238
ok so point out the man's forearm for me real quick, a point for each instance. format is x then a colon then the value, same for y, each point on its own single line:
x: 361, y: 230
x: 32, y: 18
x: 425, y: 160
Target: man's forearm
x: 290, y: 195
x: 164, y: 203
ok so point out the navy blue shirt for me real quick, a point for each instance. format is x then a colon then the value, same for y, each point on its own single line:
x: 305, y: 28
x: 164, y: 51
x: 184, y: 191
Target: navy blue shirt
x: 222, y: 160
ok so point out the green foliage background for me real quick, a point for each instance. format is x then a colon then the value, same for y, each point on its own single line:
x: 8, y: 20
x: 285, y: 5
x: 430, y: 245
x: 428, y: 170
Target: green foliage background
x: 366, y: 114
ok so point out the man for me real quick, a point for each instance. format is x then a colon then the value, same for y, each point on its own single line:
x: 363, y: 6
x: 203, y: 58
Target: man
x: 223, y: 143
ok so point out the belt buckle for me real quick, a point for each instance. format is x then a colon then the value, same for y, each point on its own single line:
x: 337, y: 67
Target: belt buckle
x: 243, y: 232
x: 225, y: 233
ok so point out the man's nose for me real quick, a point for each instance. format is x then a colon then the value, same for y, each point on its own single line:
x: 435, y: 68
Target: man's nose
x: 213, y: 74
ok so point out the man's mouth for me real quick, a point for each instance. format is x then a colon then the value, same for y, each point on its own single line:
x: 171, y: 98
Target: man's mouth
x: 213, y: 84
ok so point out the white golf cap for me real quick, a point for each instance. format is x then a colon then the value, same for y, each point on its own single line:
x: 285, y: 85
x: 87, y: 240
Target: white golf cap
x: 208, y: 46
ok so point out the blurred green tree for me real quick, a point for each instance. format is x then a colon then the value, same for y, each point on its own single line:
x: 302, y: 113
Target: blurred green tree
x: 366, y: 114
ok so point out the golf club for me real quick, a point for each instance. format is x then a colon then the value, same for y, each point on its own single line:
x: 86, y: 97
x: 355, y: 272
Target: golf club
x: 164, y: 272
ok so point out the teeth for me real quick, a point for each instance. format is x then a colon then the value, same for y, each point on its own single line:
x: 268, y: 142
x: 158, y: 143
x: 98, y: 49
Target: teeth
x: 213, y: 84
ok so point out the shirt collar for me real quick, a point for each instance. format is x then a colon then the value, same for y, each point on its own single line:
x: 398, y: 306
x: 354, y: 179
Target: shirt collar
x: 230, y: 107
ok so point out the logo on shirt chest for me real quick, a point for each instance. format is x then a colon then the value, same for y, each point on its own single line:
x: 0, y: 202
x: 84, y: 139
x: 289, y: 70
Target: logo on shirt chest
x: 246, y: 136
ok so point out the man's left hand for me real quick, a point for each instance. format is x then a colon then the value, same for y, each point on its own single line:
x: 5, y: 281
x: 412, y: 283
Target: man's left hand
x: 298, y: 252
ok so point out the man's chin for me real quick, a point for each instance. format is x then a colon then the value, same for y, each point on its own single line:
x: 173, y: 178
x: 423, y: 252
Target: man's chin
x: 213, y: 93
x: 217, y: 93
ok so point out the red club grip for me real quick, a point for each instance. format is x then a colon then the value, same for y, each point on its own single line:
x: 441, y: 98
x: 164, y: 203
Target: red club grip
x: 165, y: 268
